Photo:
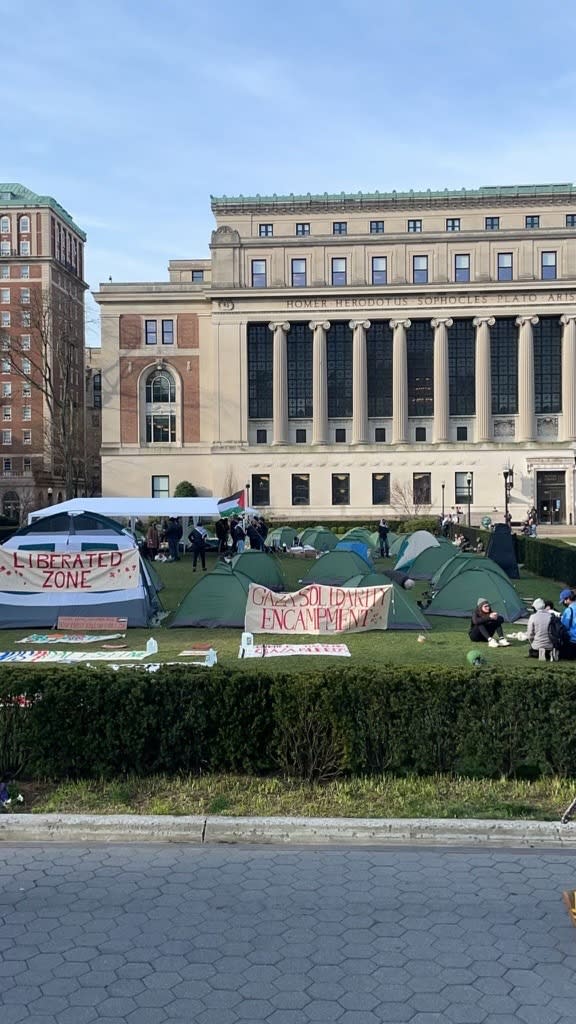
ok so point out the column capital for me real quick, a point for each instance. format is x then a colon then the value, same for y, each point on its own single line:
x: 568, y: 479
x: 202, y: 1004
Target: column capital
x: 567, y: 318
x: 324, y: 324
x: 359, y: 323
x: 439, y: 321
x: 522, y: 320
x: 482, y: 321
x: 280, y: 326
x: 400, y: 323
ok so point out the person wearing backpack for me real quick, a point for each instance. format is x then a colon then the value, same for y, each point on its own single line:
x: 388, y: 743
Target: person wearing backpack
x: 568, y: 620
x: 542, y: 644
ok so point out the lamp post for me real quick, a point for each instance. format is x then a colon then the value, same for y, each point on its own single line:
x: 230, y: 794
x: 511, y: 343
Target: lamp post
x: 443, y: 506
x: 508, y: 475
x: 50, y: 492
x: 469, y: 486
x: 247, y: 495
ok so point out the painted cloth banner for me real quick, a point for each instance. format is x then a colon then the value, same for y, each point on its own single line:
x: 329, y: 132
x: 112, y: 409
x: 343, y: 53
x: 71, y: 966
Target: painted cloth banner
x: 317, y: 609
x: 288, y: 650
x: 41, y: 572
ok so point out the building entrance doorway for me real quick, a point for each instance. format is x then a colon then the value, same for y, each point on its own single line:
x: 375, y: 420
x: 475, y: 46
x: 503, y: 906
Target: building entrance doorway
x: 551, y: 497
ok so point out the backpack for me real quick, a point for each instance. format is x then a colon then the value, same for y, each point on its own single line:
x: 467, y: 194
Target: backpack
x: 558, y: 635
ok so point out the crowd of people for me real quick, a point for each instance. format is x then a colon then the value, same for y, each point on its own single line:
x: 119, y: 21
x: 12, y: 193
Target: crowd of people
x: 551, y: 634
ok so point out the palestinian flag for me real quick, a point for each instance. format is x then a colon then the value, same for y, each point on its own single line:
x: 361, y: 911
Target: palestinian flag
x: 233, y: 505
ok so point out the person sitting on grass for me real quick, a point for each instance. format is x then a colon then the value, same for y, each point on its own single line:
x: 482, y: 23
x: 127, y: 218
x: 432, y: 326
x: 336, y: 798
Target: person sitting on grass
x: 568, y: 618
x: 486, y: 625
x: 541, y: 645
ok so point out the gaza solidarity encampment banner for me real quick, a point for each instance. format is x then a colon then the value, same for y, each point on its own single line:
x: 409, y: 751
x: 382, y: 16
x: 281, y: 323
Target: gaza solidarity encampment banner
x: 317, y: 609
x: 44, y: 571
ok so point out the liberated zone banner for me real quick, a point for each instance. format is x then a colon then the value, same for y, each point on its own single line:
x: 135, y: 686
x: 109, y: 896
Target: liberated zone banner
x: 317, y: 609
x: 46, y: 571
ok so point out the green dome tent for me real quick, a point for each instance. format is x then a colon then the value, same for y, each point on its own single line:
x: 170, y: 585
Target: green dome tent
x: 412, y: 545
x: 429, y: 561
x: 402, y: 614
x: 335, y: 568
x: 358, y: 533
x: 218, y: 600
x: 459, y: 563
x: 459, y: 596
x: 396, y: 544
x: 319, y: 537
x: 260, y: 568
x: 282, y: 535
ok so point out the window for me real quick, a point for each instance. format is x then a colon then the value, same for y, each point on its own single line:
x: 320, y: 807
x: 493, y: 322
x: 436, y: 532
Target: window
x: 25, y: 319
x: 420, y: 350
x: 26, y: 437
x: 24, y: 272
x: 25, y: 296
x: 414, y: 227
x: 548, y: 266
x: 340, y: 435
x: 299, y: 360
x: 461, y: 433
x: 6, y: 465
x: 532, y: 222
x: 300, y: 435
x: 340, y: 488
x: 151, y: 332
x: 160, y: 387
x: 421, y: 488
x: 462, y: 267
x: 380, y: 434
x: 462, y: 368
x: 505, y: 266
x: 167, y: 332
x: 380, y: 488
x: 6, y: 437
x: 379, y: 270
x: 25, y: 342
x: 4, y: 272
x: 420, y: 434
x: 302, y: 229
x: 160, y: 486
x: 27, y: 464
x: 26, y: 412
x: 24, y: 225
x: 261, y: 436
x: 5, y: 225
x: 547, y: 365
x: 4, y: 248
x: 463, y: 491
x: 571, y: 220
x: 258, y: 273
x: 6, y: 390
x: 260, y: 489
x: 504, y: 366
x: 492, y: 223
x: 379, y: 359
x: 24, y: 248
x: 4, y: 366
x: 160, y: 428
x: 265, y: 230
x: 339, y: 369
x: 453, y: 224
x: 26, y: 366
x: 26, y: 390
x: 300, y: 489
x: 420, y: 269
x: 376, y: 227
x: 298, y: 273
x: 160, y: 394
x: 339, y: 227
x: 4, y: 295
x: 260, y: 369
x: 6, y: 412
x: 339, y: 271
x: 5, y: 320
x: 197, y: 276
x: 5, y: 342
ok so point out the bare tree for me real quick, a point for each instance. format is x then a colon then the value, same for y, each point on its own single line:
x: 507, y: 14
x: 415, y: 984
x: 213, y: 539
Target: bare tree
x: 230, y: 486
x: 406, y: 499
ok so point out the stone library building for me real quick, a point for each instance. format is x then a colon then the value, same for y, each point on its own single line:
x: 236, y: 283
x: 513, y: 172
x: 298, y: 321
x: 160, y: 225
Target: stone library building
x: 345, y: 356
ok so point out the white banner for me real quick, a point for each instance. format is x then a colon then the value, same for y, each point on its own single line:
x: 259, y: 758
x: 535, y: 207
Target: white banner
x: 317, y: 609
x: 40, y: 572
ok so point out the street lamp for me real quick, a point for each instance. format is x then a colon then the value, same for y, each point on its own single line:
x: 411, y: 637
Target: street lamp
x: 247, y: 496
x: 443, y: 506
x: 50, y: 492
x: 508, y: 475
x: 469, y: 486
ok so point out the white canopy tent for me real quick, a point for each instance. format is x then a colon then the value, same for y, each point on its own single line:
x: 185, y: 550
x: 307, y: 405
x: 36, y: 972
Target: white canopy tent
x: 134, y: 508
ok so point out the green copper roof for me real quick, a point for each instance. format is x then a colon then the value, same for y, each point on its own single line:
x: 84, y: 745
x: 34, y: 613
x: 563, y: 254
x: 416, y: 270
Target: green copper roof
x: 13, y: 194
x: 364, y: 198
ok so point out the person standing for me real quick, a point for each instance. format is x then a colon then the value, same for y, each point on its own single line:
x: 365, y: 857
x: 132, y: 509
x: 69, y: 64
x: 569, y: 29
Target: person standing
x: 238, y: 538
x: 262, y: 528
x: 254, y: 536
x: 152, y: 541
x: 197, y: 538
x: 173, y: 538
x: 383, y: 531
x: 486, y: 625
x: 222, y: 535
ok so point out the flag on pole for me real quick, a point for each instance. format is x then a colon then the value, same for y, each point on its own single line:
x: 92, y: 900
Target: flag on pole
x: 234, y: 504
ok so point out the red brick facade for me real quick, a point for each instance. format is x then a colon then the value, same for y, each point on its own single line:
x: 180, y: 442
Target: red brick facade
x: 131, y: 372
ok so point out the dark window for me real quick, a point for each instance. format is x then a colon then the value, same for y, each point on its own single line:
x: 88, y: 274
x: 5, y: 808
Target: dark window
x: 260, y: 489
x: 302, y: 229
x: 340, y: 227
x: 299, y: 359
x: 548, y: 365
x: 380, y: 488
x: 420, y: 346
x: 453, y: 224
x: 260, y: 369
x: 376, y: 227
x: 151, y: 332
x: 461, y: 433
x: 340, y: 435
x: 340, y: 488
x: 97, y: 390
x: 379, y: 270
x: 414, y: 226
x: 339, y: 270
x: 258, y: 273
x: 571, y: 220
x: 505, y: 266
x: 167, y: 332
x: 261, y: 436
x: 421, y: 488
x: 160, y: 387
x: 160, y: 486
x: 160, y: 428
x: 492, y: 223
x: 265, y: 230
x: 339, y: 363
x: 379, y: 358
x: 298, y: 273
x: 504, y: 366
x: 462, y: 368
x: 462, y: 267
x: 300, y: 435
x: 548, y: 266
x: 420, y: 434
x: 380, y: 434
x: 420, y: 269
x: 532, y: 222
x: 300, y: 489
x: 197, y: 276
x: 463, y: 488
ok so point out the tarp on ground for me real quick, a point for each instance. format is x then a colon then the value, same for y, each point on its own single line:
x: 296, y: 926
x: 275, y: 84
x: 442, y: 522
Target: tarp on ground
x: 218, y: 600
x: 429, y: 561
x: 413, y: 544
x: 319, y: 537
x: 336, y: 567
x: 358, y: 546
x: 458, y: 563
x: 282, y: 535
x: 460, y: 595
x: 260, y: 568
x: 403, y: 613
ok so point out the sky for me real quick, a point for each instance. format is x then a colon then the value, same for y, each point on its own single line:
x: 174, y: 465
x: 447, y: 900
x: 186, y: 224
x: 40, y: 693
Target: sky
x: 132, y: 113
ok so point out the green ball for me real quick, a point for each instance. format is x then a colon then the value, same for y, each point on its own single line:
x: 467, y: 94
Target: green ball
x: 474, y: 658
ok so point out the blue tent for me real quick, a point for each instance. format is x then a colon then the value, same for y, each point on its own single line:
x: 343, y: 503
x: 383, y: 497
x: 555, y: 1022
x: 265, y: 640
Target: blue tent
x: 358, y: 547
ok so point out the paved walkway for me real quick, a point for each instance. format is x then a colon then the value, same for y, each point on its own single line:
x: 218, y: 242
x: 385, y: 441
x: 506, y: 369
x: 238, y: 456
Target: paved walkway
x: 154, y: 933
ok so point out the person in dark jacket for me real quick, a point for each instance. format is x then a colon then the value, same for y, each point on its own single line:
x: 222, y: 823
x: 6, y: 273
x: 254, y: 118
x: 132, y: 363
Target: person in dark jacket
x: 173, y: 534
x: 222, y: 532
x: 262, y: 528
x: 486, y: 626
x: 383, y: 531
x: 197, y: 538
x: 254, y: 536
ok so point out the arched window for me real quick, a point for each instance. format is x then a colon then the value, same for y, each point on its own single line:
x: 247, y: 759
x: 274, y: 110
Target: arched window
x: 4, y: 225
x: 24, y: 225
x: 160, y: 387
x: 11, y: 505
x: 160, y: 408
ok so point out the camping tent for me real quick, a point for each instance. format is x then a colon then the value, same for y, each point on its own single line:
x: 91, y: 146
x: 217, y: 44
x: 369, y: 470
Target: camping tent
x: 282, y: 535
x: 459, y: 596
x: 218, y: 600
x: 364, y: 536
x: 403, y: 613
x: 259, y: 568
x: 358, y: 546
x: 429, y: 561
x: 319, y: 537
x: 413, y: 544
x: 458, y: 563
x: 336, y: 567
x: 396, y: 544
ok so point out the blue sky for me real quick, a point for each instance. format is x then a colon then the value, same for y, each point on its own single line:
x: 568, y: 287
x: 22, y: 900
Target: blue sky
x: 131, y: 113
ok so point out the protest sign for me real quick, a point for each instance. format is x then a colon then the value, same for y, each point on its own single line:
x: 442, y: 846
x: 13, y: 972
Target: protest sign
x: 317, y: 609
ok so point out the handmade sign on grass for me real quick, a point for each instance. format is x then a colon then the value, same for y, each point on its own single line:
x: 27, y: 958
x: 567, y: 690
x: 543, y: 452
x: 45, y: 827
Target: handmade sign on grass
x: 67, y: 638
x: 289, y: 650
x: 57, y: 571
x: 77, y: 657
x: 317, y: 608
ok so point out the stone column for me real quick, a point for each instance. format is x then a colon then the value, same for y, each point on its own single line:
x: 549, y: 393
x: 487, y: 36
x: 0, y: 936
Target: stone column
x: 319, y: 382
x: 526, y: 413
x: 441, y: 389
x: 359, y: 382
x: 280, y: 382
x: 483, y: 378
x: 400, y: 382
x: 568, y: 377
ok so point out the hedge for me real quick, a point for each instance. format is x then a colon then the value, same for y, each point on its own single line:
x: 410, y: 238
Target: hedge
x: 84, y: 723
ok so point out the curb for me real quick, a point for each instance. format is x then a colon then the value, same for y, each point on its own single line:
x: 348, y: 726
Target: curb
x: 197, y: 830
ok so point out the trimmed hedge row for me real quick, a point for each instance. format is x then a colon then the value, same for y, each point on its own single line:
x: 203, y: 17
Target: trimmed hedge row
x: 84, y: 723
x: 551, y: 558
x: 408, y: 525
